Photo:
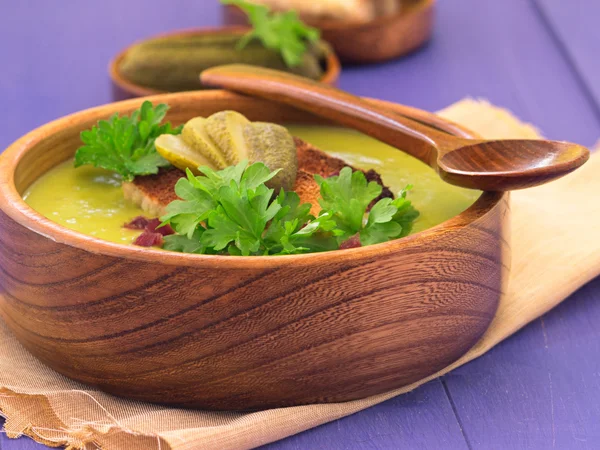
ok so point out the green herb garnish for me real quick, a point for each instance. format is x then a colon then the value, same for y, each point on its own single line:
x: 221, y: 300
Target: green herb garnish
x: 347, y: 197
x: 233, y: 212
x: 282, y: 32
x: 126, y: 144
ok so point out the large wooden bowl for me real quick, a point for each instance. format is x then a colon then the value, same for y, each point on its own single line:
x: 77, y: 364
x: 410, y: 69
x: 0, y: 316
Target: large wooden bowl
x: 122, y: 88
x: 379, y: 40
x: 222, y: 332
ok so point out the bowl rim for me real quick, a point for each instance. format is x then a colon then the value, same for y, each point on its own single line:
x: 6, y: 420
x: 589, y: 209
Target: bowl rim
x: 14, y: 206
x: 330, y: 76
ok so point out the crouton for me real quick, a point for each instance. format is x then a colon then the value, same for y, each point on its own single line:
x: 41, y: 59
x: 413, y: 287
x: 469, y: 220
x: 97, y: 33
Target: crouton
x: 154, y: 192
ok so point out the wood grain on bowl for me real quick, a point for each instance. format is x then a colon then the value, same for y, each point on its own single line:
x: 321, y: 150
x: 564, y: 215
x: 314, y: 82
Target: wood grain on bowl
x: 229, y: 333
x: 123, y: 88
x: 382, y: 39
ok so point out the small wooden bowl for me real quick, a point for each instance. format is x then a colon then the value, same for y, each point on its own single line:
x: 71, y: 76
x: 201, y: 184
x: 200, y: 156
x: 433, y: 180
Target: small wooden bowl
x: 385, y: 38
x: 237, y: 333
x: 124, y: 89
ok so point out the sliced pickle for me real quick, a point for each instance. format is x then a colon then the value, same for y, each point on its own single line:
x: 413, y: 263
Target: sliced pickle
x: 274, y: 146
x: 226, y: 128
x: 225, y: 139
x: 183, y: 156
x: 194, y: 134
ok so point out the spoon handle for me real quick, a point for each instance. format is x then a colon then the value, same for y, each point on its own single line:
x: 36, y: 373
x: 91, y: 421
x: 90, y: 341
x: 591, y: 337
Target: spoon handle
x: 419, y: 140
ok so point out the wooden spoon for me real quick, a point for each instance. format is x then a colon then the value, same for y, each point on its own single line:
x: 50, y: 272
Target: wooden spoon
x: 498, y: 165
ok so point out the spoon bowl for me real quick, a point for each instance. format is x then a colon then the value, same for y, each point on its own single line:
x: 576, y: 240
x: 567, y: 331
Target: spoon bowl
x: 522, y: 163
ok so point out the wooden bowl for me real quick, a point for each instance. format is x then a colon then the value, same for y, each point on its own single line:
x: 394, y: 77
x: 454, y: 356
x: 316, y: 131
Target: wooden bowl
x: 385, y: 38
x: 237, y: 333
x: 123, y: 89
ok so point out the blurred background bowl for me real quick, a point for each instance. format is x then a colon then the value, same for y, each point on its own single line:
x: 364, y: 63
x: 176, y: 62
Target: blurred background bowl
x: 382, y: 39
x: 123, y: 88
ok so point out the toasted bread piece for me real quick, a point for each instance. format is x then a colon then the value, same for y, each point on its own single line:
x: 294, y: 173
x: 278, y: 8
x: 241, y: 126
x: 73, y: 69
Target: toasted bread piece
x: 344, y: 10
x: 154, y: 192
x: 308, y: 190
x: 315, y: 161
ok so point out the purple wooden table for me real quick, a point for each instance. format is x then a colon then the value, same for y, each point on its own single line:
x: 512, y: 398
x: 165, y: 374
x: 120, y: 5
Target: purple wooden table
x: 538, y: 390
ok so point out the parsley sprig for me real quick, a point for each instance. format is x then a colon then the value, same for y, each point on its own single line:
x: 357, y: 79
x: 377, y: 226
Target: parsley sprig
x: 126, y: 144
x: 283, y: 32
x: 233, y: 212
x: 347, y: 198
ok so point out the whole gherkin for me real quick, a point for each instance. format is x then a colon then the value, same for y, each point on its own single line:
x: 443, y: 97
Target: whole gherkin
x: 174, y: 63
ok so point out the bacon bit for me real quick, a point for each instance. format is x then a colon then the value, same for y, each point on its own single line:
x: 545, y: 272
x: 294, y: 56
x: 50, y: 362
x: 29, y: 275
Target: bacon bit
x: 152, y: 235
x: 149, y: 239
x: 353, y: 242
x: 139, y: 223
x: 153, y: 226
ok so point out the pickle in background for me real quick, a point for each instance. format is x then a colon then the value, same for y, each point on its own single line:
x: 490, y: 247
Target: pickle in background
x: 174, y: 63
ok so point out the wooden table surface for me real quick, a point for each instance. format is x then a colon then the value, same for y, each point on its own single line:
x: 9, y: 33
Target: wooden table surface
x: 539, y: 389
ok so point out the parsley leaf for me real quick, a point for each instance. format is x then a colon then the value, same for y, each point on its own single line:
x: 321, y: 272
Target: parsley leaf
x: 126, y: 144
x: 294, y: 230
x: 346, y: 198
x: 291, y: 215
x: 184, y: 244
x: 380, y: 227
x: 406, y: 214
x: 282, y: 32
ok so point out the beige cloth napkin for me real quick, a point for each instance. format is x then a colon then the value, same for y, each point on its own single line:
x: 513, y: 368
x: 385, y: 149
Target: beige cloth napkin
x: 555, y: 251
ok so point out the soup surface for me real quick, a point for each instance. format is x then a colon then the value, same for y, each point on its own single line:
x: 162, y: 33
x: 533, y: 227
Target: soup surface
x: 90, y: 201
